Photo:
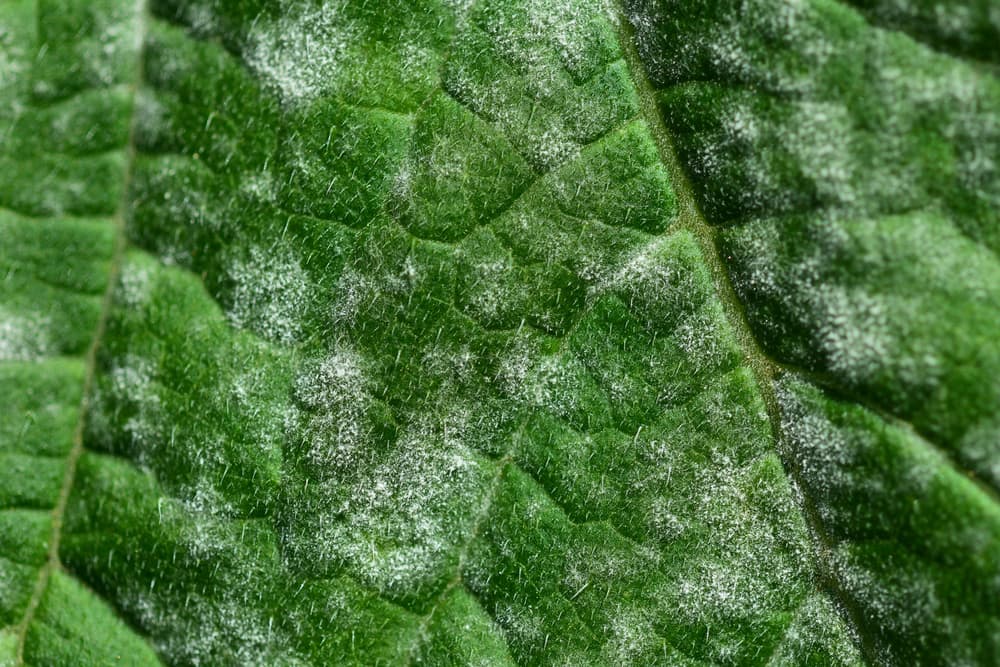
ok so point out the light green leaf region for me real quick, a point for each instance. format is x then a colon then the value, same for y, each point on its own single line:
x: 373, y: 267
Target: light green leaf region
x: 505, y: 332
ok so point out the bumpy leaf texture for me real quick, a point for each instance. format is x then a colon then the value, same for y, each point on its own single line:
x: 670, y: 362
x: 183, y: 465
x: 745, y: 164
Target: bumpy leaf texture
x: 499, y: 332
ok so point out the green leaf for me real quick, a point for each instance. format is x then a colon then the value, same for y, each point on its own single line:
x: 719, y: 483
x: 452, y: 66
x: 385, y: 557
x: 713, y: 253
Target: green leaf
x: 511, y: 332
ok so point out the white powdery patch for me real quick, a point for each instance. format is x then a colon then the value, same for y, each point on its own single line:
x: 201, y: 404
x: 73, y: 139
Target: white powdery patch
x: 817, y: 136
x: 111, y: 40
x: 402, y: 182
x: 181, y: 195
x: 905, y: 600
x: 979, y: 446
x: 794, y: 23
x: 400, y: 522
x: 727, y: 51
x: 354, y: 289
x: 825, y: 456
x: 742, y: 124
x: 861, y: 335
x: 664, y: 521
x: 853, y: 331
x: 744, y: 570
x: 203, y: 498
x: 961, y: 102
x: 357, y: 290
x: 270, y: 413
x: 135, y: 284
x: 13, y: 61
x: 951, y: 20
x: 133, y: 384
x: 460, y: 7
x: 565, y: 26
x: 743, y: 578
x: 732, y: 43
x: 959, y: 89
x: 204, y: 631
x: 760, y: 243
x: 471, y: 422
x: 653, y: 282
x: 271, y: 291
x: 587, y: 564
x: 818, y: 140
x: 632, y: 637
x: 416, y: 58
x: 521, y: 624
x: 334, y: 392
x: 552, y: 382
x: 116, y: 39
x: 817, y: 629
x: 645, y: 269
x: 338, y: 378
x: 302, y: 54
x: 259, y: 185
x: 458, y: 364
x: 200, y: 15
x: 493, y: 287
x: 554, y: 146
x: 701, y: 339
x: 10, y: 576
x: 740, y: 567
x: 957, y: 21
x: 137, y: 410
x: 629, y: 626
x: 545, y: 41
x: 25, y: 337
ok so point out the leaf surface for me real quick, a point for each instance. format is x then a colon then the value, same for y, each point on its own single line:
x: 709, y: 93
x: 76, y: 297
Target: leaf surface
x: 499, y: 333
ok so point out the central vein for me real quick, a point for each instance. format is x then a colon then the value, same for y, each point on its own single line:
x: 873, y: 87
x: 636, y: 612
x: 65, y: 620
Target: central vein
x: 765, y: 370
x: 52, y: 561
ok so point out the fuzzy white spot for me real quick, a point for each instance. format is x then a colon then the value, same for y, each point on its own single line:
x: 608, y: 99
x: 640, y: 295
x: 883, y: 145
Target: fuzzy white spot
x: 25, y: 337
x: 303, y: 53
x: 271, y: 291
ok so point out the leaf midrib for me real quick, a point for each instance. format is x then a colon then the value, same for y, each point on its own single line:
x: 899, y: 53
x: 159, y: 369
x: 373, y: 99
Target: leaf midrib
x: 52, y: 561
x: 764, y: 369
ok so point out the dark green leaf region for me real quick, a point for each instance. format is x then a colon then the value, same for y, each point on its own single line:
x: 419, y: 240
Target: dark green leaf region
x: 499, y: 332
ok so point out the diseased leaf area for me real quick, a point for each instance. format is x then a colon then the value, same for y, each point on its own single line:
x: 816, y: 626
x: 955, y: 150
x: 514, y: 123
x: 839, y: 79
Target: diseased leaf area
x: 503, y: 332
x: 852, y: 174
